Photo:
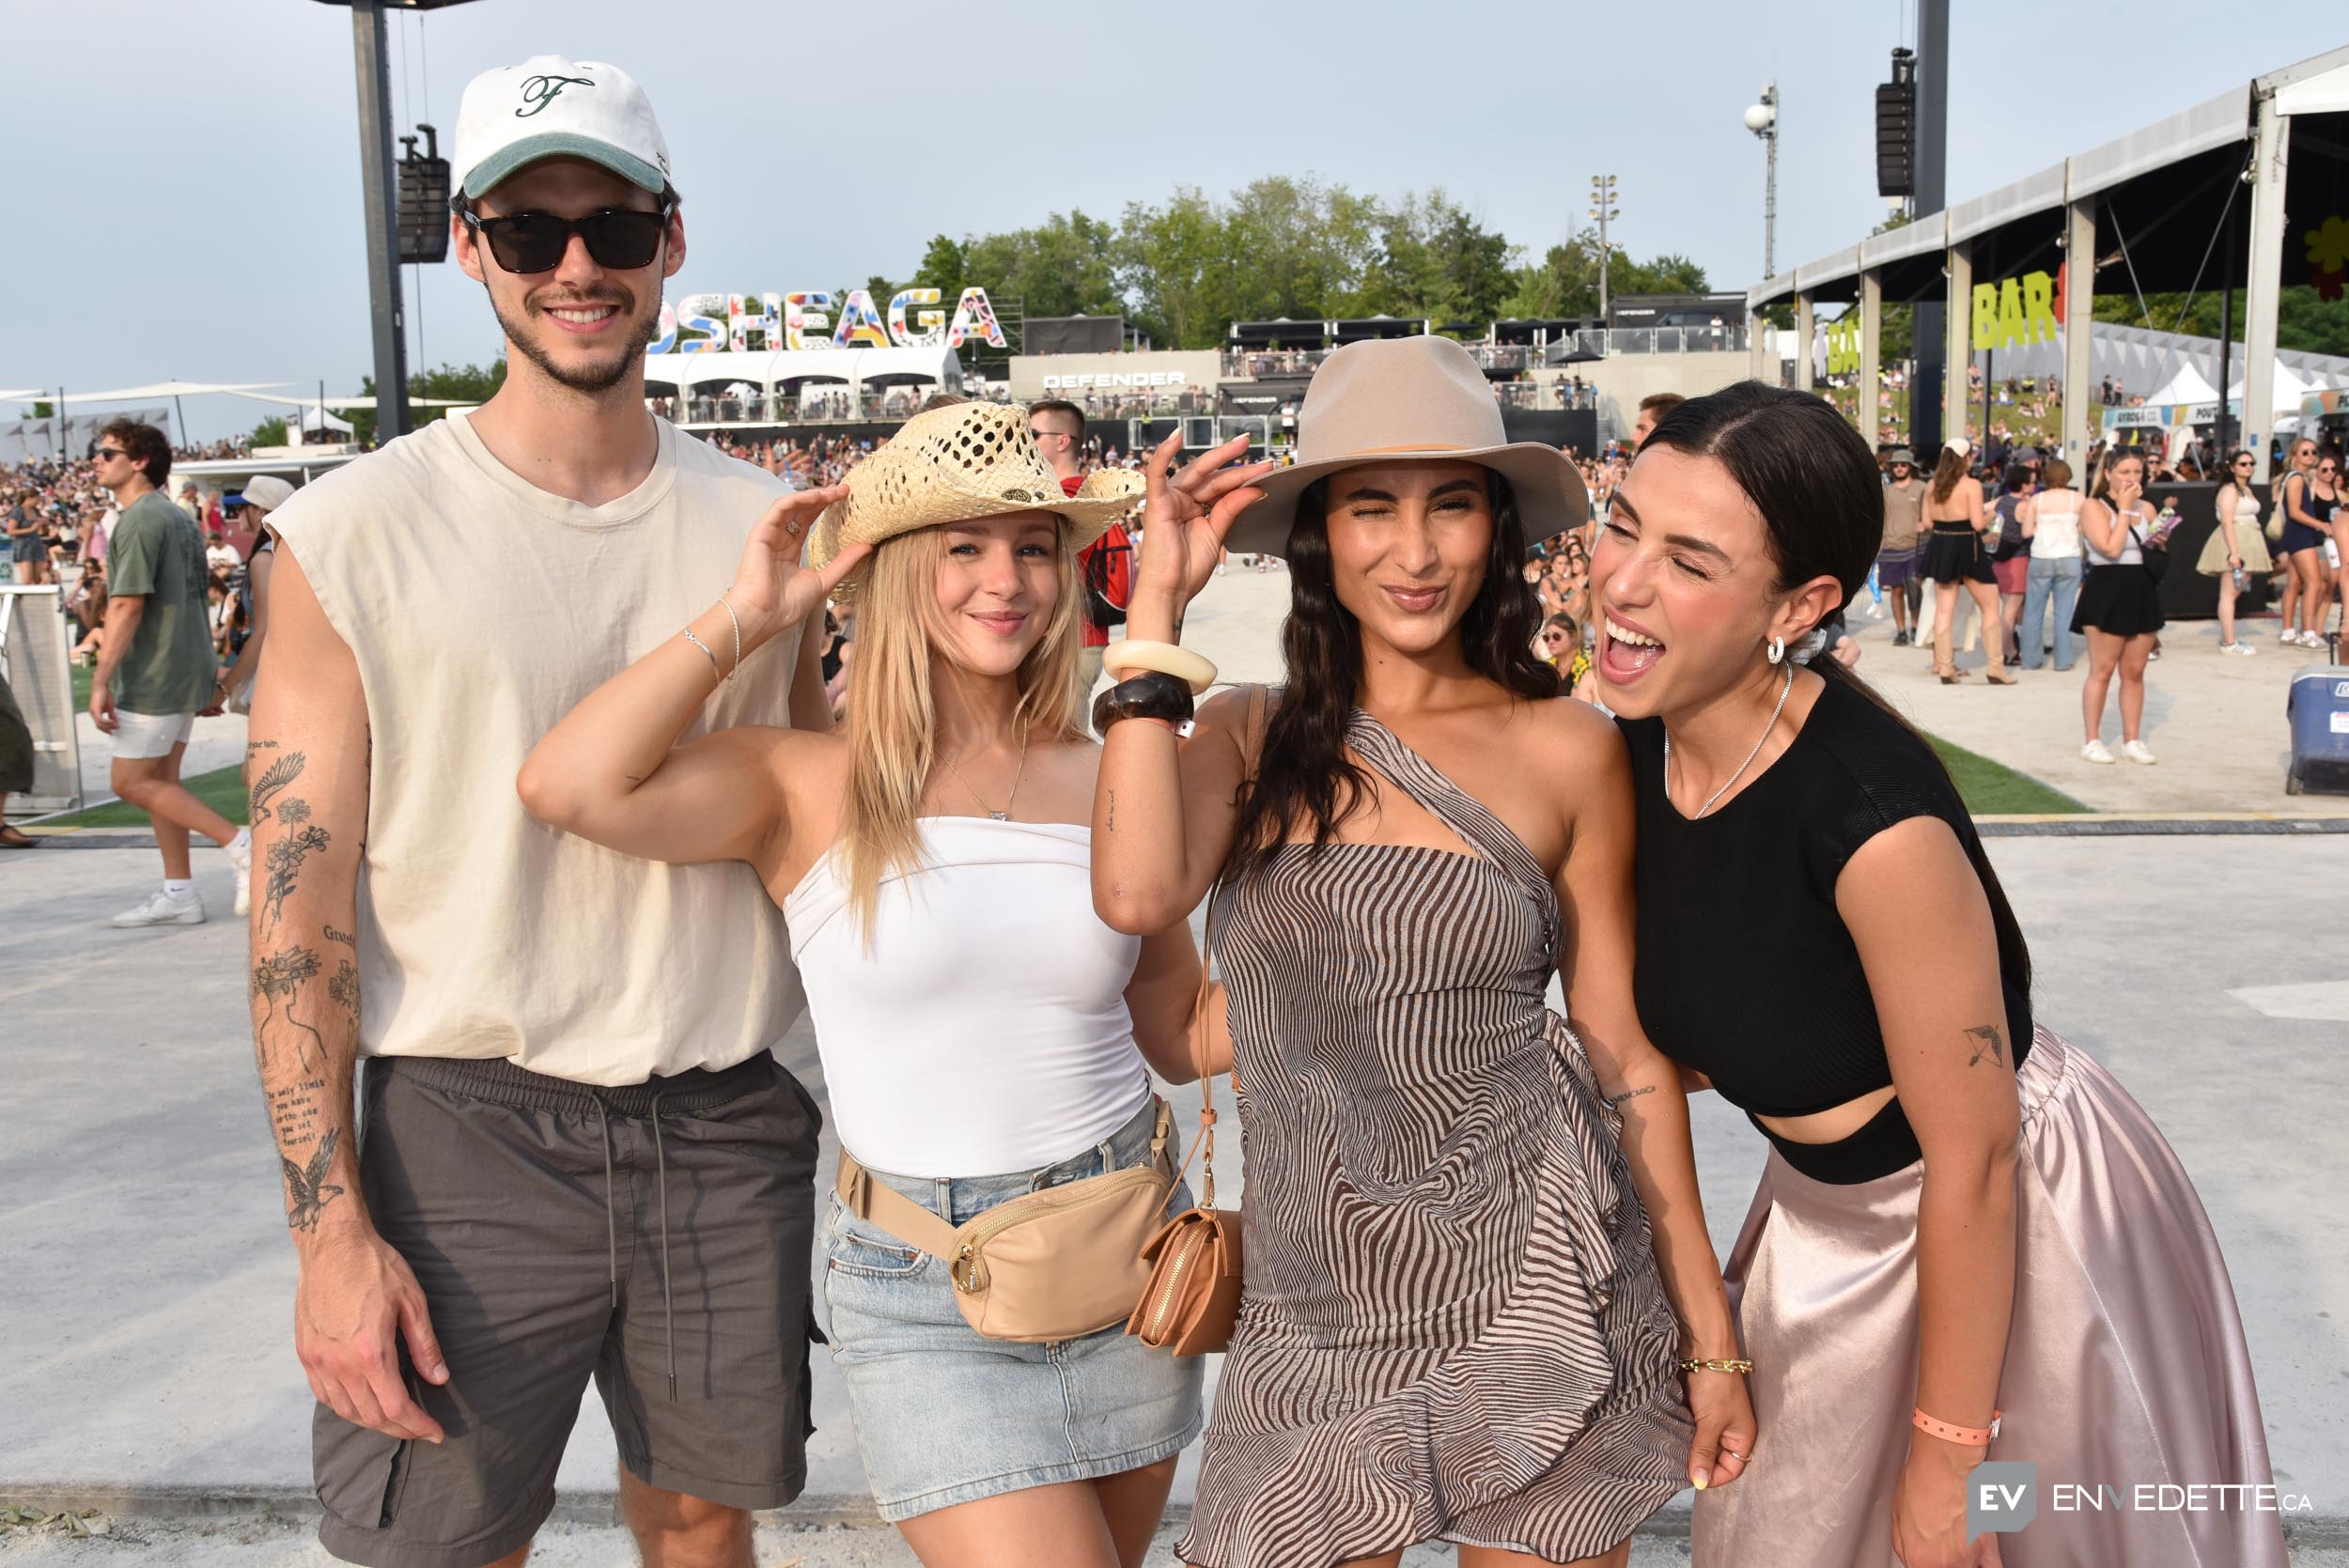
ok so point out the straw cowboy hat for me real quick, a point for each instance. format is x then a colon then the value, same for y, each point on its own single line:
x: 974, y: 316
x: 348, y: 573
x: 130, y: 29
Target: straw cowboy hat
x: 1406, y: 397
x: 957, y: 463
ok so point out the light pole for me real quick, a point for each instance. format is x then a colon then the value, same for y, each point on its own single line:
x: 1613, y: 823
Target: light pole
x: 378, y: 190
x: 1603, y: 209
x: 1762, y: 120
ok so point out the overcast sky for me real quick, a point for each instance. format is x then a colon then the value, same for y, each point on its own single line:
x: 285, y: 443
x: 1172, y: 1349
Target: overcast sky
x: 187, y: 170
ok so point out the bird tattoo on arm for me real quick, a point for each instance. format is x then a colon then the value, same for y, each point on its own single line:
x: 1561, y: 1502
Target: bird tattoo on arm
x: 308, y: 1184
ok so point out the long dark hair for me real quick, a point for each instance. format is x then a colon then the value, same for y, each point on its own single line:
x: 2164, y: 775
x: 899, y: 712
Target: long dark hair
x: 1813, y: 479
x: 1303, y: 773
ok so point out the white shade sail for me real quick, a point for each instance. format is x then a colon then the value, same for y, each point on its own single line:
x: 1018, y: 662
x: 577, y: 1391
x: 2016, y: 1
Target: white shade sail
x: 166, y: 389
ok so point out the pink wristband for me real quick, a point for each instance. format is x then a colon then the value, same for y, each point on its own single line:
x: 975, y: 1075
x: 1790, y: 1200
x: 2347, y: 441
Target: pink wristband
x: 1972, y: 1436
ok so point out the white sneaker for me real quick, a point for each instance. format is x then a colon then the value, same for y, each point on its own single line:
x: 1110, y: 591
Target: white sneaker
x: 2241, y: 650
x: 2137, y: 751
x: 2095, y: 751
x: 160, y: 909
x: 240, y: 852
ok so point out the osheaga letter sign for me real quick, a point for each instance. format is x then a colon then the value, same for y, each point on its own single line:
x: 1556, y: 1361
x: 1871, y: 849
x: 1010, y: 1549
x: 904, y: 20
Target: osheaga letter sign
x: 704, y: 323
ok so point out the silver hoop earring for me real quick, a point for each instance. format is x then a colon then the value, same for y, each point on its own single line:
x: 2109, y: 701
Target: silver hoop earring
x: 1776, y: 652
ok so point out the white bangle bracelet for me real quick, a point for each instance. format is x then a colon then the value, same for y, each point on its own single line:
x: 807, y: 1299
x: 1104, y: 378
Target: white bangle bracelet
x: 1166, y: 658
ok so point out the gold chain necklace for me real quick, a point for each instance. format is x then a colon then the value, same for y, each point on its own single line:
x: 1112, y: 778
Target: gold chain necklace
x: 992, y: 815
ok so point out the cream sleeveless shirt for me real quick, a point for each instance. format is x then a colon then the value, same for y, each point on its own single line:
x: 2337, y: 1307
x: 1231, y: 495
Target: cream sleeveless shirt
x: 481, y: 609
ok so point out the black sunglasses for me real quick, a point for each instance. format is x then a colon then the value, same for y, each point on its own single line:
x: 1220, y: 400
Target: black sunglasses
x: 107, y: 453
x: 620, y: 238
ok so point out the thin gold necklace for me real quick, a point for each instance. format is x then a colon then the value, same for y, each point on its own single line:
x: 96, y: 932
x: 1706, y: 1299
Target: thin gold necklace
x: 992, y: 815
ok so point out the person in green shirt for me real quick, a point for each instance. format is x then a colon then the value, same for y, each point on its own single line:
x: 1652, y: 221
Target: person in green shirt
x: 156, y: 669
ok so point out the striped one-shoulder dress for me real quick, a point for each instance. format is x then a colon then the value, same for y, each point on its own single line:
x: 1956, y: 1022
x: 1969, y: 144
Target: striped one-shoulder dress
x: 1453, y: 1326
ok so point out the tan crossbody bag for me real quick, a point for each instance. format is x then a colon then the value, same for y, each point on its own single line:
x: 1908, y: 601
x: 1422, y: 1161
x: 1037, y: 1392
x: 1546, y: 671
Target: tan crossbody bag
x: 1055, y: 1265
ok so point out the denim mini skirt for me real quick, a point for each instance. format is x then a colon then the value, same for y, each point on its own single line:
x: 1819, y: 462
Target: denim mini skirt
x: 945, y: 1415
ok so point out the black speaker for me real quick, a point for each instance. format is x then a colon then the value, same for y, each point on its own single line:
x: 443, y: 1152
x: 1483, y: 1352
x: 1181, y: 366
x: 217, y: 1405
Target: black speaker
x: 422, y: 200
x: 1896, y: 129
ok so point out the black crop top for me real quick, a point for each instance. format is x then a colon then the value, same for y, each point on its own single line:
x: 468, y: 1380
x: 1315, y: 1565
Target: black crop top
x: 1746, y: 971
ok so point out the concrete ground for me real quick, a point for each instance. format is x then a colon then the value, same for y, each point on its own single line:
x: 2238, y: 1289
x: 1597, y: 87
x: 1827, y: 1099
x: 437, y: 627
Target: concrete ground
x: 149, y: 1370
x: 2215, y: 722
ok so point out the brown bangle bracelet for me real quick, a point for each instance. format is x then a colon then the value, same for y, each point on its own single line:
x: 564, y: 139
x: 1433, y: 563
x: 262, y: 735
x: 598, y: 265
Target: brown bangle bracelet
x: 1147, y: 694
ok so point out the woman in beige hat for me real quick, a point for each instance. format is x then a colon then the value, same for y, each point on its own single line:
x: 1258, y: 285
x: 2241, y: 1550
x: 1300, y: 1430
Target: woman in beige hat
x: 982, y: 1034
x: 1459, y: 1324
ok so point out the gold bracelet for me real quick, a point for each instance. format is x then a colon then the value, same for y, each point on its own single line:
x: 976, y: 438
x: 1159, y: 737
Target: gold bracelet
x: 1740, y: 1367
x: 1168, y: 658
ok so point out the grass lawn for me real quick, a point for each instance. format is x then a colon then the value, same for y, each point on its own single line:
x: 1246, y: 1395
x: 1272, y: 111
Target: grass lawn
x: 223, y: 790
x: 1993, y: 789
x: 81, y: 674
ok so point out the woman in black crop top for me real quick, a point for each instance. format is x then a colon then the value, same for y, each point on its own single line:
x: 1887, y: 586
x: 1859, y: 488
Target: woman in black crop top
x: 1961, y: 1214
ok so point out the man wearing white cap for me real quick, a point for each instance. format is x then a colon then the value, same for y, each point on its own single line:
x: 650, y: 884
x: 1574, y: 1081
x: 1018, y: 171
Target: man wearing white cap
x: 580, y: 1158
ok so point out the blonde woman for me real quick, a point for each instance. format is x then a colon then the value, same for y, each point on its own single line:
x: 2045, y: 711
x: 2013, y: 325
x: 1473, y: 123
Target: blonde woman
x: 2235, y: 551
x: 982, y: 1034
x: 2308, y: 586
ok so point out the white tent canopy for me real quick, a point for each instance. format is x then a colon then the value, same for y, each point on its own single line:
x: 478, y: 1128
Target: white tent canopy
x: 310, y: 417
x: 771, y: 370
x: 347, y: 404
x: 28, y: 394
x: 2189, y: 386
x: 2291, y: 385
x: 164, y: 389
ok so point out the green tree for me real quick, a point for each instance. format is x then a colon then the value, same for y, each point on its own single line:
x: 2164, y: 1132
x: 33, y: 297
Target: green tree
x: 1437, y: 261
x: 465, y: 383
x: 1171, y: 267
x: 943, y: 266
x: 1065, y: 266
x: 2303, y: 320
x: 270, y: 432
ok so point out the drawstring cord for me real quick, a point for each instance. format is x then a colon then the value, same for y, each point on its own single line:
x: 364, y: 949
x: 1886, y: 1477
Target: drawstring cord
x: 668, y: 1304
x: 610, y: 1226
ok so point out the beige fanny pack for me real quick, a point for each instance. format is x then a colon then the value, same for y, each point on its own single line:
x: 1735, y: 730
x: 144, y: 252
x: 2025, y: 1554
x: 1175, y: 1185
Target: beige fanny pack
x: 1055, y: 1265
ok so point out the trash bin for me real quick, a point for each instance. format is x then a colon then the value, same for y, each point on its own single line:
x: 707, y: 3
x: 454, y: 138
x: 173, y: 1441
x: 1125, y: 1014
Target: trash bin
x: 2318, y: 711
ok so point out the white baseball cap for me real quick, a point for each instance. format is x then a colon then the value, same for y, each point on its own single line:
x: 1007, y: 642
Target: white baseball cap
x: 266, y: 492
x: 552, y: 107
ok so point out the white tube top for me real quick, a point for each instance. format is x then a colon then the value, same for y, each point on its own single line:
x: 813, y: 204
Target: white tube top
x: 984, y: 1028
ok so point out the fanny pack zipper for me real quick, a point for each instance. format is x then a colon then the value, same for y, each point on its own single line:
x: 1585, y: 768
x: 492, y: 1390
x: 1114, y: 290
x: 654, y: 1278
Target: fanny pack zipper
x: 1072, y: 1195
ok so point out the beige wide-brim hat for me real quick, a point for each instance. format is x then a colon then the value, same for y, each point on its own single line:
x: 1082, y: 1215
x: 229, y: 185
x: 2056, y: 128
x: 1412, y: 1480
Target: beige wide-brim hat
x: 956, y: 464
x: 1400, y: 398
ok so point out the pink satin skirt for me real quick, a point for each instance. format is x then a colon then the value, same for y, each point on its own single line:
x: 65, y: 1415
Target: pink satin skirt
x: 2126, y: 1363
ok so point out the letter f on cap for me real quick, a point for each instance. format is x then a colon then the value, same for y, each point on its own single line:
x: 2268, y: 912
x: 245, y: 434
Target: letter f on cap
x: 552, y: 107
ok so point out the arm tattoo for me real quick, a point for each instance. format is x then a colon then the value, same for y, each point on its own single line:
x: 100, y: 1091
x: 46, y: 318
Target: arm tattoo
x: 275, y: 979
x: 286, y: 854
x: 343, y: 937
x: 272, y: 782
x: 1617, y: 1100
x: 307, y: 1184
x: 1993, y: 1044
x: 344, y: 988
x: 1111, y: 825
